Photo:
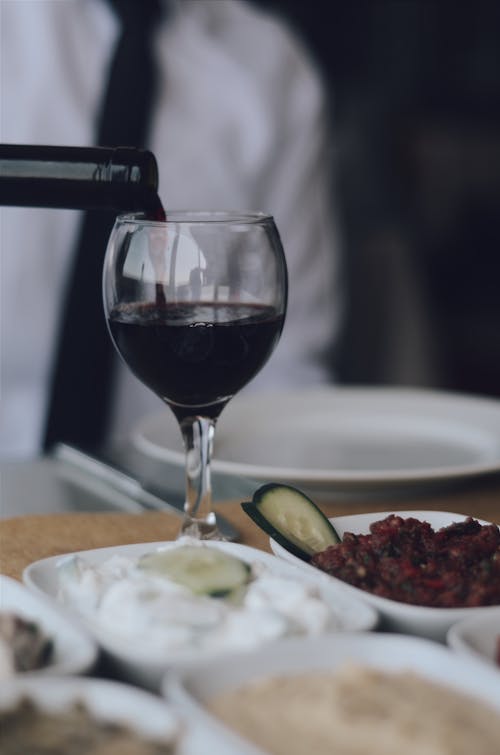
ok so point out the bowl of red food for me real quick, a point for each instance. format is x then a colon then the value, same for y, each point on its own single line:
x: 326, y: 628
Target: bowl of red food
x: 423, y: 571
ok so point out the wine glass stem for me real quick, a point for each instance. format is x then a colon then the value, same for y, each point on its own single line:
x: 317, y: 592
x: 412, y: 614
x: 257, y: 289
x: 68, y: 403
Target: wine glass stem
x: 198, y: 434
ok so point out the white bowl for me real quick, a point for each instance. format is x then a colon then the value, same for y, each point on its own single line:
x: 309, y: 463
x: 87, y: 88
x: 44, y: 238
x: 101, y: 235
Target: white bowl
x: 396, y: 616
x: 74, y: 651
x: 136, y: 661
x: 146, y: 714
x: 106, y: 700
x: 190, y: 688
x: 478, y: 637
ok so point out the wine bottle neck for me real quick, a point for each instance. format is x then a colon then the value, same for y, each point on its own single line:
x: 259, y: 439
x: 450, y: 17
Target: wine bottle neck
x: 121, y: 178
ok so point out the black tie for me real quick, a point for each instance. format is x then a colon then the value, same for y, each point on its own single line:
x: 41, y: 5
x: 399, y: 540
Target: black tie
x: 83, y: 371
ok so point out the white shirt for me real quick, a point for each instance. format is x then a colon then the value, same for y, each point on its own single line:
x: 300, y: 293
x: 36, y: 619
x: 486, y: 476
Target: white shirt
x: 240, y: 124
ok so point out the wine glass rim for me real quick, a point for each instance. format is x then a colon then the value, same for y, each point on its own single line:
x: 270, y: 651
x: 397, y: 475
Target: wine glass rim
x: 193, y: 217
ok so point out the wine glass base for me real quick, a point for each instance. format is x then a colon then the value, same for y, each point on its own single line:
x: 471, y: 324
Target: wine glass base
x: 200, y: 529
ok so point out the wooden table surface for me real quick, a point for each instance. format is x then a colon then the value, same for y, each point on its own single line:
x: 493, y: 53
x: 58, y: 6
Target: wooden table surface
x: 24, y: 539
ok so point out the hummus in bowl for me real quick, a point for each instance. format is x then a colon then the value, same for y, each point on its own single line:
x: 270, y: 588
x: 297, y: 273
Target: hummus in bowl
x: 369, y: 694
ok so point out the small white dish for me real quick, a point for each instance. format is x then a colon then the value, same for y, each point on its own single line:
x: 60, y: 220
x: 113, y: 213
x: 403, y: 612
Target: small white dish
x: 190, y: 688
x: 107, y: 700
x: 146, y: 714
x: 74, y: 651
x: 396, y: 616
x: 478, y: 637
x: 136, y: 661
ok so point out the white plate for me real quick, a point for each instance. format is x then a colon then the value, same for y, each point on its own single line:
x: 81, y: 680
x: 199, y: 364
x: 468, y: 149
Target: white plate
x: 401, y: 617
x: 344, y: 438
x: 478, y: 637
x: 138, y: 663
x: 191, y: 688
x: 74, y: 651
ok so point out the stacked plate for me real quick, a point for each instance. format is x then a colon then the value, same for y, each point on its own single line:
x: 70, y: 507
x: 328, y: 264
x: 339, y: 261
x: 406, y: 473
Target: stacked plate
x: 339, y: 439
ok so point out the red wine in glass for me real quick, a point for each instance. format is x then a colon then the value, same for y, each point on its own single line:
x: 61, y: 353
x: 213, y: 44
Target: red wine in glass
x: 195, y: 355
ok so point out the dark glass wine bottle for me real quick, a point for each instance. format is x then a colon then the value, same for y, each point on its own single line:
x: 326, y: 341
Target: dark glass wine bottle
x: 86, y: 178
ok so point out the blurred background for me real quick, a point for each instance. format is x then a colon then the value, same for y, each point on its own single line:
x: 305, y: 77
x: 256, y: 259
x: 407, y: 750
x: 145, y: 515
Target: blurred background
x: 413, y: 97
x: 415, y: 94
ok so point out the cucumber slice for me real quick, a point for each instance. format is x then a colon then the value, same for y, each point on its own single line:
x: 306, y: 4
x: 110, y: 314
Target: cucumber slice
x: 203, y: 570
x: 292, y: 519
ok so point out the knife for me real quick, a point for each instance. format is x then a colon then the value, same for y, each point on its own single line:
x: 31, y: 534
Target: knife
x: 119, y: 480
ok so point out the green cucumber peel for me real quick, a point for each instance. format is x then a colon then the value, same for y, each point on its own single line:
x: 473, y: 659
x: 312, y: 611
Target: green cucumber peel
x: 292, y: 519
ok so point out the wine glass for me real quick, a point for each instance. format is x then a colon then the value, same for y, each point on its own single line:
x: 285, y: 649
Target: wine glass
x: 195, y: 306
